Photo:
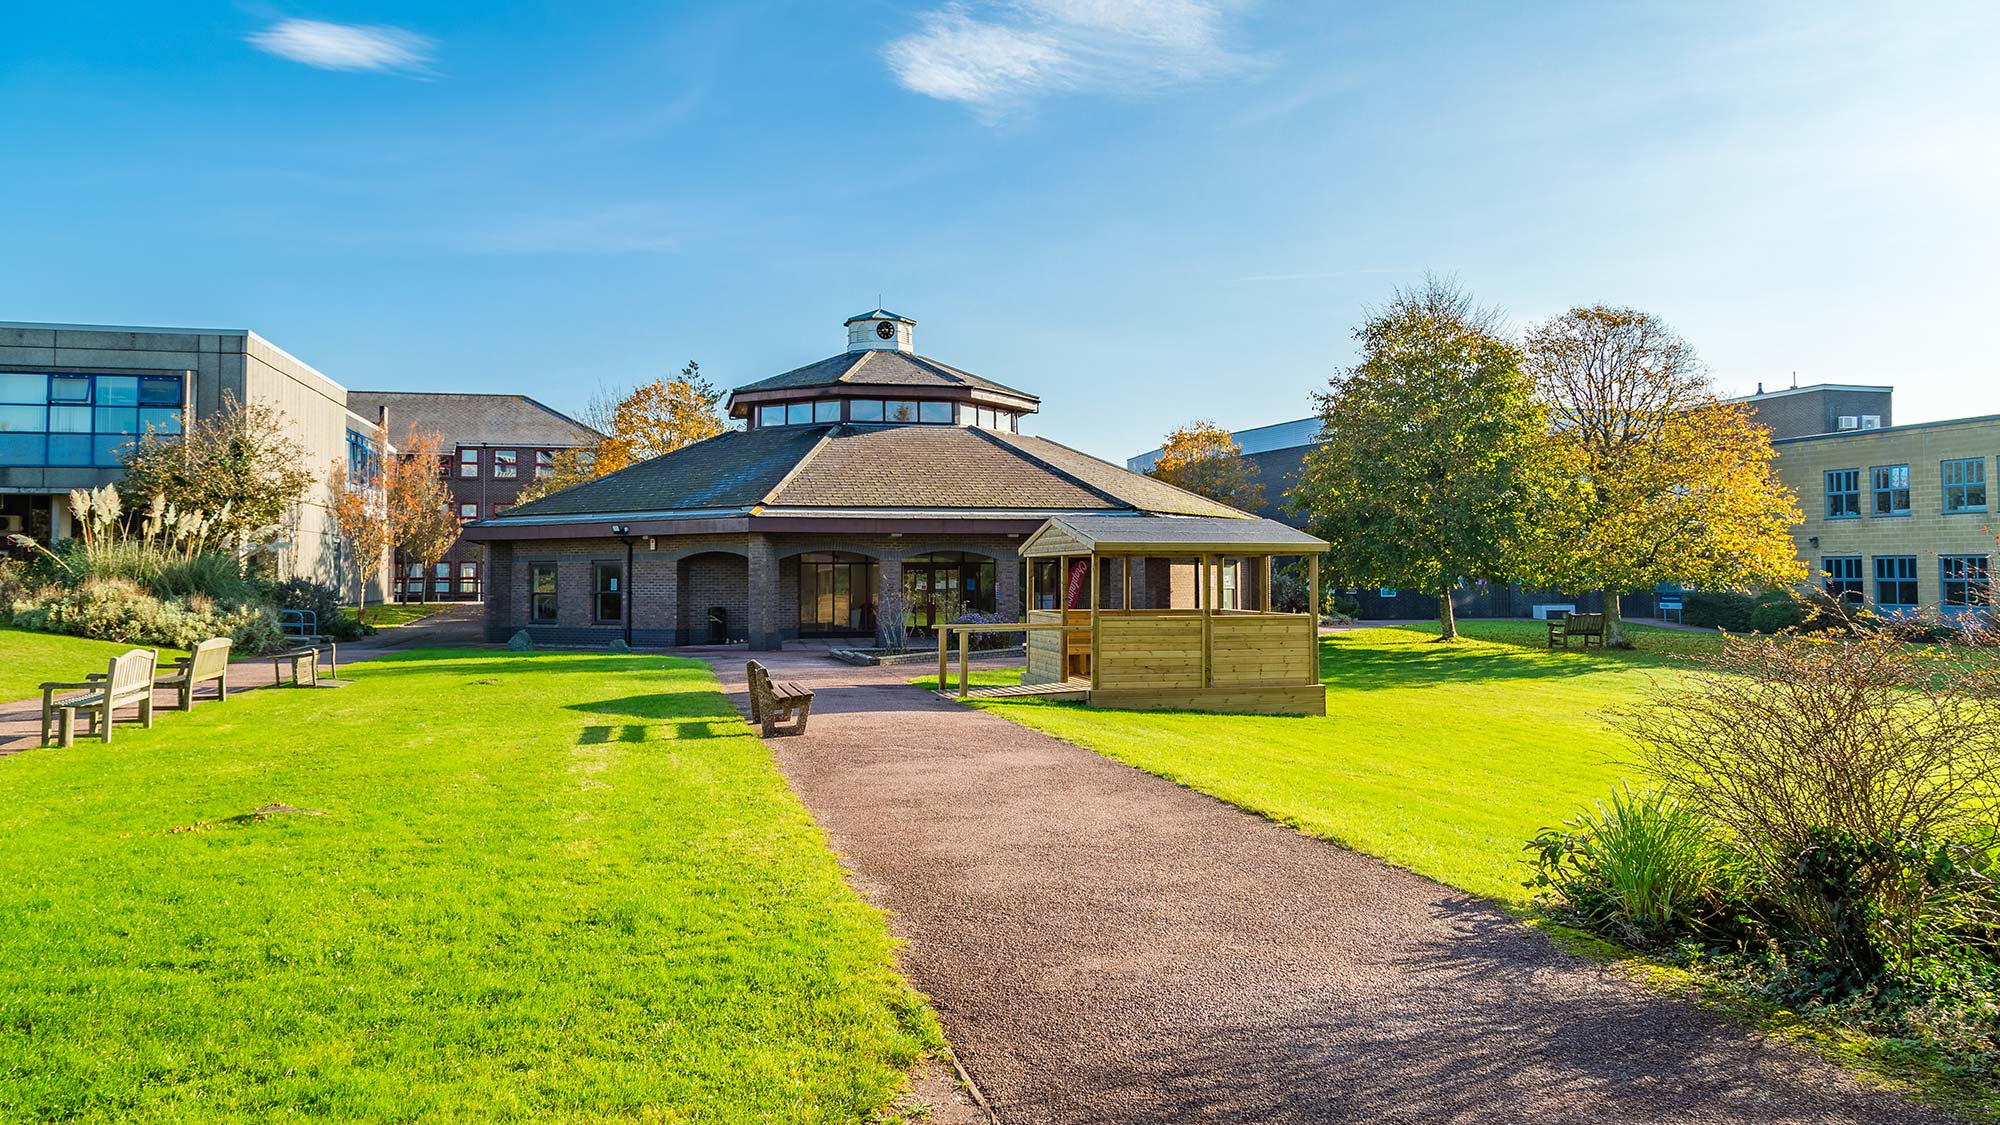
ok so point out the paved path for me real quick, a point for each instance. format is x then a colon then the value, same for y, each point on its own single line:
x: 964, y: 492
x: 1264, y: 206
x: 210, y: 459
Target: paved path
x: 1105, y: 946
x: 21, y: 720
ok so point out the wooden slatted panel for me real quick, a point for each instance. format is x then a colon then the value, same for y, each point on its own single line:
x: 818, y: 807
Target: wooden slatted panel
x: 1149, y: 652
x: 1260, y: 650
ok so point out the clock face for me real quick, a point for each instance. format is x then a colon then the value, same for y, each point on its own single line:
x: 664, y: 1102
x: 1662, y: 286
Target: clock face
x: 886, y: 329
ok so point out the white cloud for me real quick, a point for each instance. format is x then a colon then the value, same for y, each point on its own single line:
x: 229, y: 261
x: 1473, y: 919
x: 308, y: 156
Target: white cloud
x: 336, y: 46
x: 1009, y: 51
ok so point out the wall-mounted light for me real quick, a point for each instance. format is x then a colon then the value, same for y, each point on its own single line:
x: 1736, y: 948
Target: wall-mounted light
x: 620, y: 529
x: 1813, y: 542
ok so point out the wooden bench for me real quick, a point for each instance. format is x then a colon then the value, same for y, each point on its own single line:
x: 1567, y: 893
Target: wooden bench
x: 127, y: 682
x: 771, y: 700
x: 208, y: 663
x: 304, y: 664
x: 1588, y: 626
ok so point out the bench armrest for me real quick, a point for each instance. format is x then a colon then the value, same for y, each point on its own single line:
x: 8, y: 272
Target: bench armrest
x: 56, y: 685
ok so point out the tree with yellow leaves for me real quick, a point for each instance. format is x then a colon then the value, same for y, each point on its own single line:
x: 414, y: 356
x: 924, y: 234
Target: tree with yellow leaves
x: 1204, y: 458
x: 1664, y: 481
x: 655, y: 418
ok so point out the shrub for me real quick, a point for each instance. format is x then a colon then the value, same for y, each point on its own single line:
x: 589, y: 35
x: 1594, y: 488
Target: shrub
x: 991, y: 640
x: 1717, y: 610
x: 1776, y: 613
x: 1346, y: 605
x: 323, y: 602
x: 1643, y: 868
x: 118, y: 610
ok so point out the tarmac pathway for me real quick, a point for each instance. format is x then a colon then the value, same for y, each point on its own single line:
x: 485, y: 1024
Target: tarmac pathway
x: 1106, y: 946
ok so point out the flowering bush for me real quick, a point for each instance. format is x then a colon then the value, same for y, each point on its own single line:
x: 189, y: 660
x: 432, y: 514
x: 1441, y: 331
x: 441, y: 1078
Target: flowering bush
x: 996, y: 639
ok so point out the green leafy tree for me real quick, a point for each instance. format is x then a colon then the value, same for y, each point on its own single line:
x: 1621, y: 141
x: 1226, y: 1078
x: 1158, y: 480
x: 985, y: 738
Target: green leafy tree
x: 1665, y: 481
x: 1429, y: 467
x: 238, y: 466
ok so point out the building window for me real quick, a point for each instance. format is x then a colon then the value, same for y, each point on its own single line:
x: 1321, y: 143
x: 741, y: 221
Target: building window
x: 468, y: 578
x: 83, y: 420
x: 1965, y: 485
x: 545, y: 463
x: 864, y: 410
x: 1892, y: 489
x: 771, y: 415
x: 899, y: 411
x: 468, y: 512
x: 1965, y: 580
x: 503, y: 463
x: 1843, y: 494
x: 608, y: 584
x: 468, y: 462
x: 1896, y: 581
x: 798, y: 413
x: 1843, y: 579
x: 935, y: 413
x: 836, y: 593
x: 826, y: 410
x: 541, y: 591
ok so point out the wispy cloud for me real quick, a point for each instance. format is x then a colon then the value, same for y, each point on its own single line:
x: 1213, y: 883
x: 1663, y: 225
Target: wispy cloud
x: 339, y: 46
x: 1001, y: 54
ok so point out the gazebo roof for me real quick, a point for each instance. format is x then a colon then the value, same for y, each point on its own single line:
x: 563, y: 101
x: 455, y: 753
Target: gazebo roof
x: 1168, y: 535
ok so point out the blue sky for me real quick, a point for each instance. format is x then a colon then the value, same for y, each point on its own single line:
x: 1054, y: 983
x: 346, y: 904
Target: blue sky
x: 1144, y: 211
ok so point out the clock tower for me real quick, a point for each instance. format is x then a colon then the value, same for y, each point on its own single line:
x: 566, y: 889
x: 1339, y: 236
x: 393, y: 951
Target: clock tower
x: 881, y: 331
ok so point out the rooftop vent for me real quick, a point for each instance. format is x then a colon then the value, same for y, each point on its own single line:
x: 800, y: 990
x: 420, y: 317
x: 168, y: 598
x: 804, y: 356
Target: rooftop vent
x: 881, y: 331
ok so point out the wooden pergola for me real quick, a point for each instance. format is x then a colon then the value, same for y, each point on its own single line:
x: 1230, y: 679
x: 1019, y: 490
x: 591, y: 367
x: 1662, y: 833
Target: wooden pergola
x: 1166, y: 613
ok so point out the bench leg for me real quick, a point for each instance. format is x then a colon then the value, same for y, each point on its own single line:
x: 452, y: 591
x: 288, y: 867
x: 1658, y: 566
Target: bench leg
x: 770, y: 726
x: 805, y: 709
x: 222, y: 687
x: 107, y: 719
x: 146, y: 711
x: 65, y: 727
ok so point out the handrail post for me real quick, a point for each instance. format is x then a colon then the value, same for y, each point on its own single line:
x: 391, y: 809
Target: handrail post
x: 964, y: 661
x: 944, y: 631
x: 1312, y: 619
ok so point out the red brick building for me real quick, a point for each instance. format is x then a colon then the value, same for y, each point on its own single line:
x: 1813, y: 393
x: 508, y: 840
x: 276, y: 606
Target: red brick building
x: 495, y: 445
x: 873, y: 472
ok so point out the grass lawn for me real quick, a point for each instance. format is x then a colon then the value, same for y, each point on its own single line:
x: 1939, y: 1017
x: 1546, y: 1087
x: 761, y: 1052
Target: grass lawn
x: 27, y: 660
x: 392, y: 614
x: 542, y: 887
x: 1441, y: 758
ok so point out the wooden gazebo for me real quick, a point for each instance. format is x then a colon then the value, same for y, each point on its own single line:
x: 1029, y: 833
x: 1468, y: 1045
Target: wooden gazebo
x: 1168, y: 613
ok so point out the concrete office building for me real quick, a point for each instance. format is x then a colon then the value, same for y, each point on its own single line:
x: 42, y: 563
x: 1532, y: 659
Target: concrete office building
x: 72, y: 397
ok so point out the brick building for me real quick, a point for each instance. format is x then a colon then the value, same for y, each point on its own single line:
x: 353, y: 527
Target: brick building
x: 494, y: 446
x: 870, y: 474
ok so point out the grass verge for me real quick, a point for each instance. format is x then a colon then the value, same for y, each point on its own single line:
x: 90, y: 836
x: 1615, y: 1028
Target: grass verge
x: 391, y: 615
x: 524, y: 887
x: 27, y: 660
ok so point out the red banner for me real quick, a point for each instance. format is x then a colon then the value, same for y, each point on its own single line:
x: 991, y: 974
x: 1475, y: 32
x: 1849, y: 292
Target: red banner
x: 1079, y: 577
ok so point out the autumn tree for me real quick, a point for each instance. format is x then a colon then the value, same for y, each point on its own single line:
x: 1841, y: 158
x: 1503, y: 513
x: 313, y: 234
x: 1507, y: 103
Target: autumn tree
x: 1428, y: 469
x: 1204, y: 458
x: 238, y: 466
x: 418, y: 504
x: 1665, y: 482
x: 652, y: 419
x: 357, y: 507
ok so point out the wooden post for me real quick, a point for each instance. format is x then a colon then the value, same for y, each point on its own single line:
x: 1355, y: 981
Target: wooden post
x: 964, y: 660
x: 1096, y: 632
x: 1028, y: 594
x: 1266, y: 579
x: 1125, y: 586
x: 943, y: 632
x: 1207, y: 625
x: 1312, y: 619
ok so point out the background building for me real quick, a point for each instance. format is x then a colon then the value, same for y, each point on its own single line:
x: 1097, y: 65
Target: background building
x: 72, y: 397
x: 494, y: 445
x: 1898, y: 515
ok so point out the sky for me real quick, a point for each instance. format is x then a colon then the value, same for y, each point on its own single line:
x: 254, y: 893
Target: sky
x: 1145, y: 211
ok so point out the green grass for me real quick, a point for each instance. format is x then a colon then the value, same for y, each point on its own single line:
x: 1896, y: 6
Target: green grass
x: 544, y: 887
x: 27, y: 660
x: 1443, y: 759
x: 393, y: 614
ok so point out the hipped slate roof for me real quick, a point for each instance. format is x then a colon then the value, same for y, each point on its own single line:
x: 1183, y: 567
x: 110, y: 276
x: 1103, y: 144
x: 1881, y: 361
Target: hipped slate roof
x: 884, y: 367
x: 848, y: 468
x: 473, y: 419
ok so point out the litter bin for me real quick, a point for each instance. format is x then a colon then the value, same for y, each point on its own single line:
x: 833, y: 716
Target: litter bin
x: 718, y: 625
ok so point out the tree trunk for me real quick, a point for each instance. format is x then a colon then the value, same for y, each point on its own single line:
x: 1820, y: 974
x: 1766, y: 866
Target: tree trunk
x: 1614, y: 622
x: 1447, y: 619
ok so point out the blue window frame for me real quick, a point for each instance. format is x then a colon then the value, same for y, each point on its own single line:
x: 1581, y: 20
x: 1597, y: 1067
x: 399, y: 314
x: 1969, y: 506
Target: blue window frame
x: 1965, y: 485
x: 1843, y: 494
x: 1843, y: 578
x: 83, y: 419
x: 1891, y: 485
x: 1896, y: 581
x: 1963, y: 580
